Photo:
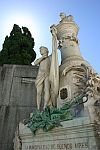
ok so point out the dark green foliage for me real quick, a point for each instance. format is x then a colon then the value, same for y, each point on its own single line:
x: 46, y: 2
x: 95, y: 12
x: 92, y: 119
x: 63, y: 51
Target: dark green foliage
x: 52, y: 117
x: 18, y: 47
x: 43, y: 120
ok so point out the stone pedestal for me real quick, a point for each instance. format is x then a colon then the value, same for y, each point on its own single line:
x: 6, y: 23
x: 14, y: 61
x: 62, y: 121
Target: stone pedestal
x: 77, y: 134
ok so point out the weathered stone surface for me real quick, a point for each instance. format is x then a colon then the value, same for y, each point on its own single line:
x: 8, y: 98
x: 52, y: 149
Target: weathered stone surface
x: 77, y: 134
x: 0, y: 80
x: 17, y: 99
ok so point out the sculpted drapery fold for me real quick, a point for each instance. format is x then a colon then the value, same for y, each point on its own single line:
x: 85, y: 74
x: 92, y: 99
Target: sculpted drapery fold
x: 54, y: 69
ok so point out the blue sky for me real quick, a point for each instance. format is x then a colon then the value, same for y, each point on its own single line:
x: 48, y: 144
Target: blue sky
x: 39, y: 15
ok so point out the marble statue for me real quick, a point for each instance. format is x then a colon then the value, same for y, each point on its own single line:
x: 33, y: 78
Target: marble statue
x: 48, y: 74
x: 42, y: 81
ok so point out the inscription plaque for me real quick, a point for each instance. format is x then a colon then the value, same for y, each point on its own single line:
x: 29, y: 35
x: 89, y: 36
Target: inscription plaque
x: 64, y: 146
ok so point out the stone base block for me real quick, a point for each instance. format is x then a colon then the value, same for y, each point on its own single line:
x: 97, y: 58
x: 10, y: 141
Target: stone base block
x: 77, y: 134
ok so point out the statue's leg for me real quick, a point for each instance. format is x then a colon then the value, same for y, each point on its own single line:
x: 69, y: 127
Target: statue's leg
x: 46, y: 92
x: 39, y: 95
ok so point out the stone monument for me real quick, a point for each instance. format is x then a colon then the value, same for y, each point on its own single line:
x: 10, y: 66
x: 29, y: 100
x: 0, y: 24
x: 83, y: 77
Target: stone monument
x: 71, y: 116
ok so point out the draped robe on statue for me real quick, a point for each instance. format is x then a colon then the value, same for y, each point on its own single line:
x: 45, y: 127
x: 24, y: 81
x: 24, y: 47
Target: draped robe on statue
x: 54, y: 69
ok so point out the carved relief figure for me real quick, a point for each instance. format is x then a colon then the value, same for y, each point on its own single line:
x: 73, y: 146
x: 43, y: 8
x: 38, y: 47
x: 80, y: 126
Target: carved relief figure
x: 89, y: 83
x: 93, y: 103
x: 42, y: 80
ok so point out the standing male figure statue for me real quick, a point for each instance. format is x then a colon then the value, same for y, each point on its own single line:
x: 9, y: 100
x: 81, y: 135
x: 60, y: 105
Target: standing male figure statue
x: 42, y: 80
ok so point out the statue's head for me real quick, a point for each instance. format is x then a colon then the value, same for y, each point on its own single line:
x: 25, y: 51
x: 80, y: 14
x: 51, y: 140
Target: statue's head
x: 43, y: 50
x: 62, y: 15
x: 70, y: 18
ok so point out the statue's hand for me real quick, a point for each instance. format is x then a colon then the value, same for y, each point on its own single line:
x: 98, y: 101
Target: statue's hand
x: 44, y: 56
x: 64, y: 72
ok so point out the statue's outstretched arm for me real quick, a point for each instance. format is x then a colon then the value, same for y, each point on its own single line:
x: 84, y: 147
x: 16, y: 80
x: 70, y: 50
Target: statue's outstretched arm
x: 37, y: 62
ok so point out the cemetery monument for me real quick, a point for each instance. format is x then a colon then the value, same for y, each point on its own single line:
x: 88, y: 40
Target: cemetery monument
x: 70, y: 118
